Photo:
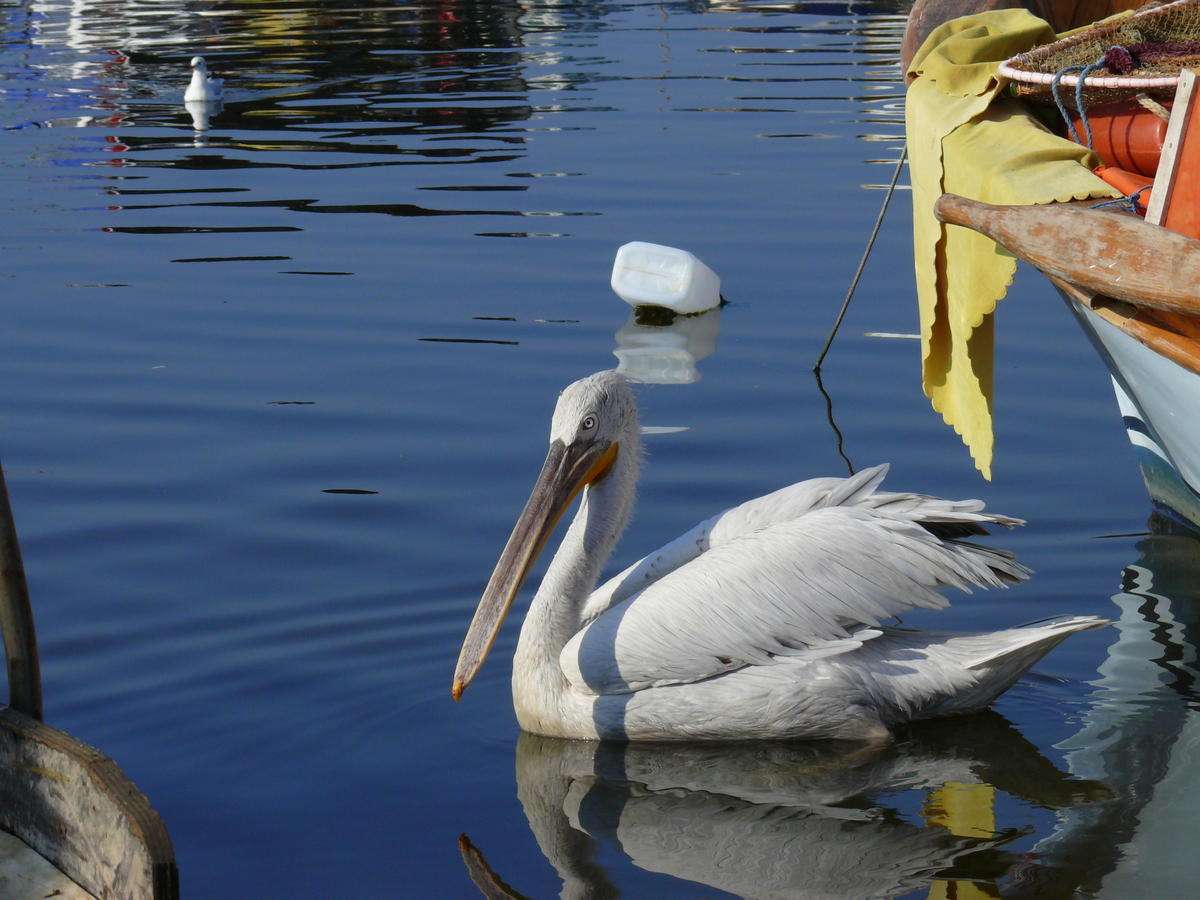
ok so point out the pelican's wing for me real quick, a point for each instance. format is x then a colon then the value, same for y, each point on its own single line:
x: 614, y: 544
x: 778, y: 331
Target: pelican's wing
x: 809, y: 586
x: 780, y: 506
x: 948, y: 518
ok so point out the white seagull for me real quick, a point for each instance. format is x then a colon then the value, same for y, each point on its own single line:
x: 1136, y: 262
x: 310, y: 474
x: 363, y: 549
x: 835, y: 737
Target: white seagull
x: 203, y: 86
x: 766, y: 621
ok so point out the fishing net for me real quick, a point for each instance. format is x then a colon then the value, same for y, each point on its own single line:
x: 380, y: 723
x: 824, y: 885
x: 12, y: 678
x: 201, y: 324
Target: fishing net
x: 1142, y: 53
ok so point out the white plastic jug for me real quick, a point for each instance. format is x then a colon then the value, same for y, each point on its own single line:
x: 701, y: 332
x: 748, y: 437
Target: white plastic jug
x: 653, y: 275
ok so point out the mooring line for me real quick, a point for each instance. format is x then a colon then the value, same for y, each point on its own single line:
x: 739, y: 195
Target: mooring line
x: 866, y: 253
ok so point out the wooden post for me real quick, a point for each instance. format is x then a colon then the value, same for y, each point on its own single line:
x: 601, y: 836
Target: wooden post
x: 16, y: 619
x: 1175, y: 200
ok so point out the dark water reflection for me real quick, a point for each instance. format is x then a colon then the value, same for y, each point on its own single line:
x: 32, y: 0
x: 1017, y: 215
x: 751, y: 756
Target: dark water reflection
x: 782, y: 820
x: 258, y: 502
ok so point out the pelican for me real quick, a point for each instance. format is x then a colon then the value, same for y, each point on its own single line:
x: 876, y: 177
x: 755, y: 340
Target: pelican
x: 203, y: 86
x: 765, y: 621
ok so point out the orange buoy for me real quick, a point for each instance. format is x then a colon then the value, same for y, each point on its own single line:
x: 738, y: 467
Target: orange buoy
x: 1126, y: 135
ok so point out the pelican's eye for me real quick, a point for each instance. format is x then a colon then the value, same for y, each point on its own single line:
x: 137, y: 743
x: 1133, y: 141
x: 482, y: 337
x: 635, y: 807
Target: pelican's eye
x: 589, y: 423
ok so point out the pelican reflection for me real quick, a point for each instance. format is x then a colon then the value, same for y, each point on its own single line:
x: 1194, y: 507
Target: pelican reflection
x: 784, y: 820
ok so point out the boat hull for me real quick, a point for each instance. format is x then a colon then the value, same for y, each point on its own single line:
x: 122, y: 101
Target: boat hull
x: 1160, y: 404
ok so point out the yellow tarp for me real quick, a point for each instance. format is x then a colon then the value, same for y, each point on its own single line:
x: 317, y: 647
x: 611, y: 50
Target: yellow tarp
x: 963, y: 140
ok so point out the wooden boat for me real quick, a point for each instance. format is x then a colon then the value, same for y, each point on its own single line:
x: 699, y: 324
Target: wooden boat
x: 72, y: 825
x: 1133, y: 285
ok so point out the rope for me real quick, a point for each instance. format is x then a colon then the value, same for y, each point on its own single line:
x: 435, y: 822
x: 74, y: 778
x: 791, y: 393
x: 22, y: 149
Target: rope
x: 1084, y: 72
x: 1062, y: 107
x: 1134, y: 200
x: 1154, y: 106
x: 863, y: 263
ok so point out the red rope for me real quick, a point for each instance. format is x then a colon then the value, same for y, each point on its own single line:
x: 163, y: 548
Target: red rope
x: 1123, y: 60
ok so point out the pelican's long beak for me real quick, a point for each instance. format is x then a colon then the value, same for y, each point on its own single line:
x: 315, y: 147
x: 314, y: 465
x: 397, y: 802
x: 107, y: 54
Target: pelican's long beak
x: 567, y: 470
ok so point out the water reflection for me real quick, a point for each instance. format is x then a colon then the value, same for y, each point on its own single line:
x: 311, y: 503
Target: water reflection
x: 452, y: 82
x: 1142, y: 737
x: 201, y: 111
x: 657, y: 346
x: 775, y: 820
x: 425, y: 82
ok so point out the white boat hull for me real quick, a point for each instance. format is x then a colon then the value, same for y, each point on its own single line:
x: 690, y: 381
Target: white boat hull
x: 1160, y: 403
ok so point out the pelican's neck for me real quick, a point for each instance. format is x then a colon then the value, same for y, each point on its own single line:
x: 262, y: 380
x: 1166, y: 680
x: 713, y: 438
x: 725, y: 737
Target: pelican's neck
x: 555, y: 615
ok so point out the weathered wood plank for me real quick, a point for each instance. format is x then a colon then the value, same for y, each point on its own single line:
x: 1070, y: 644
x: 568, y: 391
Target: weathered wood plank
x: 1114, y: 255
x: 25, y: 875
x: 1188, y: 326
x: 75, y: 807
x: 1175, y: 200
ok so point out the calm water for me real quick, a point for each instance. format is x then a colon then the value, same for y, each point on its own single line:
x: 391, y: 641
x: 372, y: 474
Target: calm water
x: 372, y: 273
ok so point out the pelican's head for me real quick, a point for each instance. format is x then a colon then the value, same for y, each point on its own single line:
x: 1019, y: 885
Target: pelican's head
x: 597, y: 408
x: 595, y: 419
x: 198, y: 63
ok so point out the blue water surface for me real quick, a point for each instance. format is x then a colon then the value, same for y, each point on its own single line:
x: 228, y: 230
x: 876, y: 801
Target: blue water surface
x: 372, y: 273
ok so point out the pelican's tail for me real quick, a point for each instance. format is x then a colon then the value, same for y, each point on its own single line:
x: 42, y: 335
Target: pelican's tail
x: 1033, y: 640
x: 998, y: 660
x: 950, y: 674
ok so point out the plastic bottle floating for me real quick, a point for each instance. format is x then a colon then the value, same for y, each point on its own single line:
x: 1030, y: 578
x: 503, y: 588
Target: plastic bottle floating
x: 203, y: 86
x: 653, y: 275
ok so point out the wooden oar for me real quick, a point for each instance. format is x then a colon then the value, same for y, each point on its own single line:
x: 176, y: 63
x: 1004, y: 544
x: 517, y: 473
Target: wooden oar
x: 1108, y: 253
